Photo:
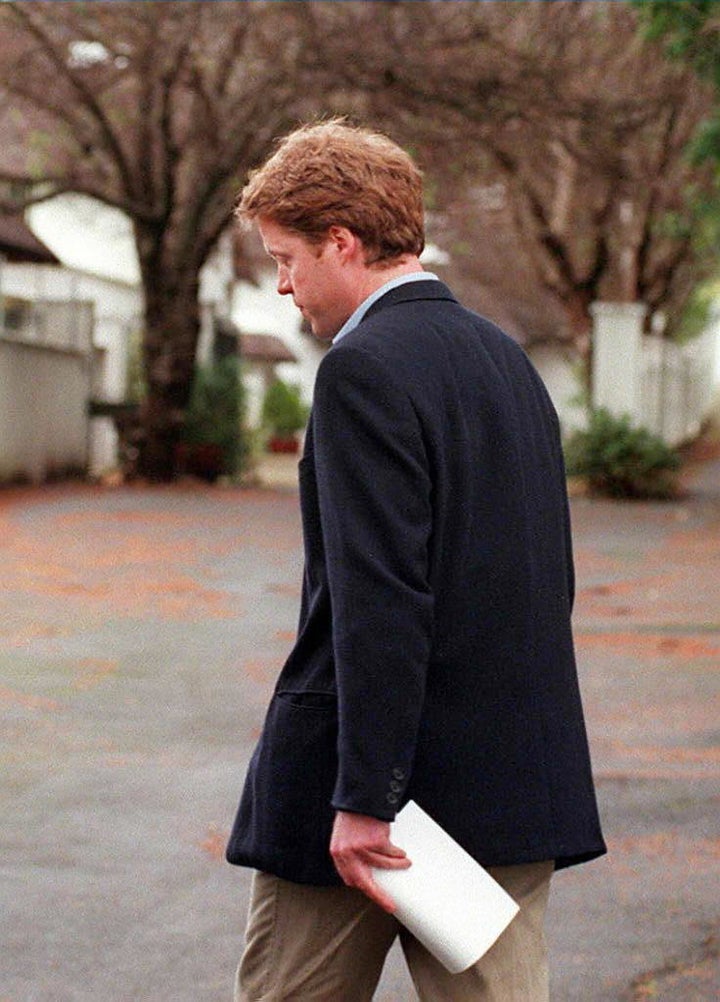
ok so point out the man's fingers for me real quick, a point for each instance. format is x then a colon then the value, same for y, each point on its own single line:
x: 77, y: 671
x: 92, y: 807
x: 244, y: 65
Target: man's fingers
x: 356, y: 871
x: 359, y: 876
x: 386, y: 856
x: 394, y: 852
x: 387, y: 860
x: 359, y: 844
x: 378, y: 895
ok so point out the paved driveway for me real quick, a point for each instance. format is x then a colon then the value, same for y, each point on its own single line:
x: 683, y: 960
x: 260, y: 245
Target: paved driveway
x: 140, y: 632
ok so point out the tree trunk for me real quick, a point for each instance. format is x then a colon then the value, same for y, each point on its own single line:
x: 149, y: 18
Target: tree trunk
x: 577, y: 309
x: 172, y: 328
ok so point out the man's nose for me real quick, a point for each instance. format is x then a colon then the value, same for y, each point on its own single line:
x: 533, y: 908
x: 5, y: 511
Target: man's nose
x: 284, y: 285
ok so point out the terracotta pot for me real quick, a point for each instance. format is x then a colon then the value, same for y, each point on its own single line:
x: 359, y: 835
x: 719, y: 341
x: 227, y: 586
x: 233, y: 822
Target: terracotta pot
x: 283, y: 443
x: 200, y: 460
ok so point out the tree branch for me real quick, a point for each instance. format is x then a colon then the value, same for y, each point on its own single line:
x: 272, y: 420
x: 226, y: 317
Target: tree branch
x: 86, y: 97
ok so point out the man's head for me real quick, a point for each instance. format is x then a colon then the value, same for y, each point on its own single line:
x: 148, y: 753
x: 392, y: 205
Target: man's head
x: 340, y: 211
x: 333, y: 174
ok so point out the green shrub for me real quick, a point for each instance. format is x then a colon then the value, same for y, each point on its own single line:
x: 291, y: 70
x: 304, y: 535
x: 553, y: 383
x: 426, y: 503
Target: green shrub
x: 283, y: 412
x: 214, y: 417
x: 620, y: 460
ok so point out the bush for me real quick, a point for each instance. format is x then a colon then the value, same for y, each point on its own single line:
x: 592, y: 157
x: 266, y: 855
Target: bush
x: 283, y: 412
x: 212, y: 435
x: 622, y: 461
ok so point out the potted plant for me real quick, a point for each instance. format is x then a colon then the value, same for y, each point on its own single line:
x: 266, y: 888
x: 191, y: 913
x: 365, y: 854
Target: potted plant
x: 283, y: 415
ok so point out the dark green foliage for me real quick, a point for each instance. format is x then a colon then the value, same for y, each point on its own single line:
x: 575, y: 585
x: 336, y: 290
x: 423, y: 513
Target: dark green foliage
x: 214, y: 417
x: 622, y: 461
x: 689, y: 30
x: 283, y: 411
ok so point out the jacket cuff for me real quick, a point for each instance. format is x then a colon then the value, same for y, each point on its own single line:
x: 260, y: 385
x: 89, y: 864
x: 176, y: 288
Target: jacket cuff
x: 383, y: 803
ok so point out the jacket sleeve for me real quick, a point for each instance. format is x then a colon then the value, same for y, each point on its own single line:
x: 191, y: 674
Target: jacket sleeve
x: 375, y: 506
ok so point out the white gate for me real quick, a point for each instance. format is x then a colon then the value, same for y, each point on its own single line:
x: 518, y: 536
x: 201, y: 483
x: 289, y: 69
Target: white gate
x: 664, y: 387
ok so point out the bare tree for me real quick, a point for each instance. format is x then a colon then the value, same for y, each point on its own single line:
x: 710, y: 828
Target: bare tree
x: 556, y: 140
x: 158, y: 109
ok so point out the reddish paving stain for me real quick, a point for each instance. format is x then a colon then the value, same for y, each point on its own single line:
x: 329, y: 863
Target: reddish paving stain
x: 90, y: 671
x: 665, y: 845
x: 28, y: 701
x: 95, y: 561
x: 261, y: 670
x: 654, y: 774
x: 213, y: 845
x: 649, y: 645
x: 290, y: 590
x: 32, y: 631
x: 663, y: 754
x: 682, y: 980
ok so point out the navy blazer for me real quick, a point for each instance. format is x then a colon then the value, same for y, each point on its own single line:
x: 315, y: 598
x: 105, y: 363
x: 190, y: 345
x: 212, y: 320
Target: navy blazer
x: 434, y: 658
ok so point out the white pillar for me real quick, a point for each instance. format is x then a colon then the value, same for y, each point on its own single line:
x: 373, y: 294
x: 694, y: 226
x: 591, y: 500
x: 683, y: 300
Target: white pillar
x: 617, y: 345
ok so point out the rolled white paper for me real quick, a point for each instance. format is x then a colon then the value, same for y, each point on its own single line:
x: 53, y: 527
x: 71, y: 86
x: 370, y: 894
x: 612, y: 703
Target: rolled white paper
x: 446, y: 899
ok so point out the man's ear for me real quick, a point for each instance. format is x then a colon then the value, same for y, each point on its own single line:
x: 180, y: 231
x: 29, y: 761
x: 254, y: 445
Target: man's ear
x: 346, y: 243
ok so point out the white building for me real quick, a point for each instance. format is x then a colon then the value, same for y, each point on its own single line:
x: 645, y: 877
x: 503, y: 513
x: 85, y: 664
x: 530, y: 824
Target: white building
x: 110, y: 311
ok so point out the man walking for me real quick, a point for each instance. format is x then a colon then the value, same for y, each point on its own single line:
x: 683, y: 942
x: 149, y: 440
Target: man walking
x: 434, y: 659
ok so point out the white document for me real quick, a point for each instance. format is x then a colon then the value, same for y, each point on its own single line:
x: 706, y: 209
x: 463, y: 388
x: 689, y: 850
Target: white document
x: 446, y: 899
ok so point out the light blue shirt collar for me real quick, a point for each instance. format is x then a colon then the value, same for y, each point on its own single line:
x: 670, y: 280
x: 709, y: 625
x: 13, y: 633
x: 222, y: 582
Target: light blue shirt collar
x: 355, y: 318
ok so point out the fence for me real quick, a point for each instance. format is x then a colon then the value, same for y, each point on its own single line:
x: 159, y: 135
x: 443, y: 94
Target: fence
x: 665, y: 387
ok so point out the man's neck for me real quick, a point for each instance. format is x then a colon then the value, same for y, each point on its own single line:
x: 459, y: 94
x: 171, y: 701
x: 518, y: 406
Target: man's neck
x: 409, y: 270
x: 376, y: 277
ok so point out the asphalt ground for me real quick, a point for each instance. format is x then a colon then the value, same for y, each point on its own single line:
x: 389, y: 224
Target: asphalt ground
x: 140, y: 633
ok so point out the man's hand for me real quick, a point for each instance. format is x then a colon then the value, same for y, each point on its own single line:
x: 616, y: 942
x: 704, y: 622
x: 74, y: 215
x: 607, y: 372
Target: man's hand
x: 360, y: 842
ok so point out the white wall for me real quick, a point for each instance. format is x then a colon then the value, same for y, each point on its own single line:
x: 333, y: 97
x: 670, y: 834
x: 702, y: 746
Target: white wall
x: 117, y: 312
x: 117, y: 308
x: 559, y: 369
x: 43, y: 417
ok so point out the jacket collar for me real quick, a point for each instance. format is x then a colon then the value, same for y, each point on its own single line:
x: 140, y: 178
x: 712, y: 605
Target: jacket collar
x: 412, y: 292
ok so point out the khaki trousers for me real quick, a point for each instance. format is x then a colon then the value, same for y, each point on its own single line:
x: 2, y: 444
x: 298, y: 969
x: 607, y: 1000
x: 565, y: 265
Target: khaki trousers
x: 328, y: 944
